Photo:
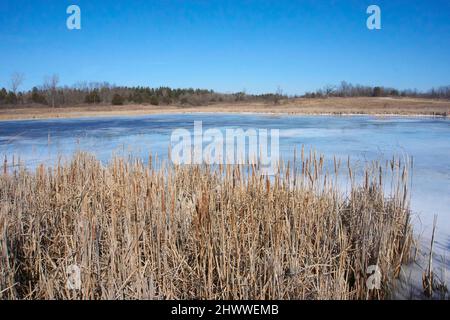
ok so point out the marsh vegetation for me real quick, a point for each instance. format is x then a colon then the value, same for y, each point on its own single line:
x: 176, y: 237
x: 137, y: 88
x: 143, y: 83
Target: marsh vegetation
x: 143, y: 231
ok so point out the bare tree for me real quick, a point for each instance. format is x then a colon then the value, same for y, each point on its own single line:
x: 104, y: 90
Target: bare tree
x: 278, y: 95
x: 329, y: 90
x: 279, y: 91
x: 16, y: 81
x: 50, y: 85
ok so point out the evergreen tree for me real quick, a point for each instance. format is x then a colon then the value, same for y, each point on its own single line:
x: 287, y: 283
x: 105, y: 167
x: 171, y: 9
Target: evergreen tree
x: 154, y: 100
x: 117, y: 100
x: 3, y: 95
x: 11, y: 98
x: 37, y: 97
x: 92, y: 97
x: 377, y: 92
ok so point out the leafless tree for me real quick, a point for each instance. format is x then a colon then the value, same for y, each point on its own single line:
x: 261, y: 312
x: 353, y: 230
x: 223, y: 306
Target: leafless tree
x: 278, y: 95
x: 50, y: 85
x: 16, y: 81
x: 329, y: 89
x: 279, y: 91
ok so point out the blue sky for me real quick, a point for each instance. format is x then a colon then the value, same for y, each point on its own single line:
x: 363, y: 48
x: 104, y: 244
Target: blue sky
x: 228, y: 45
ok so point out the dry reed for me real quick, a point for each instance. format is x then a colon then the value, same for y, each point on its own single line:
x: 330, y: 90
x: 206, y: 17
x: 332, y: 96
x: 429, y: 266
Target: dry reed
x: 140, y: 232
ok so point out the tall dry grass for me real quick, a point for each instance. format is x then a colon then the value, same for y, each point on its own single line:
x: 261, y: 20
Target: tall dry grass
x: 139, y: 232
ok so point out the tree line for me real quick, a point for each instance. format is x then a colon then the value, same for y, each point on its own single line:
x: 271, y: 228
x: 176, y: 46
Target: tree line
x: 50, y: 93
x: 345, y: 89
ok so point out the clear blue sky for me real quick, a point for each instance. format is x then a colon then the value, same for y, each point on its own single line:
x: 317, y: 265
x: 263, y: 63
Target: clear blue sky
x: 228, y: 45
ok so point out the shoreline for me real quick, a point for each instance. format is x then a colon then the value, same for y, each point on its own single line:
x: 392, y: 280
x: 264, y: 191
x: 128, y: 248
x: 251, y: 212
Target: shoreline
x: 377, y: 107
x: 92, y: 115
x: 114, y: 115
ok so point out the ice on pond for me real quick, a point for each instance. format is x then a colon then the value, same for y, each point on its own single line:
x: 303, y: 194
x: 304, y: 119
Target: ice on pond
x: 363, y: 138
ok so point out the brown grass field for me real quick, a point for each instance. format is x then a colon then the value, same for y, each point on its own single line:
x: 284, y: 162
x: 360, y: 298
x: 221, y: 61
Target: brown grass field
x: 168, y: 232
x: 337, y: 106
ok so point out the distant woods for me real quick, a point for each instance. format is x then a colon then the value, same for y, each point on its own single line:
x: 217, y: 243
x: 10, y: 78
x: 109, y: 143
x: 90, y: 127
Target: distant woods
x: 346, y: 89
x: 51, y: 94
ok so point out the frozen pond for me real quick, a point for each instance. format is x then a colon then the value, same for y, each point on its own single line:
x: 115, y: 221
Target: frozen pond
x: 363, y: 138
